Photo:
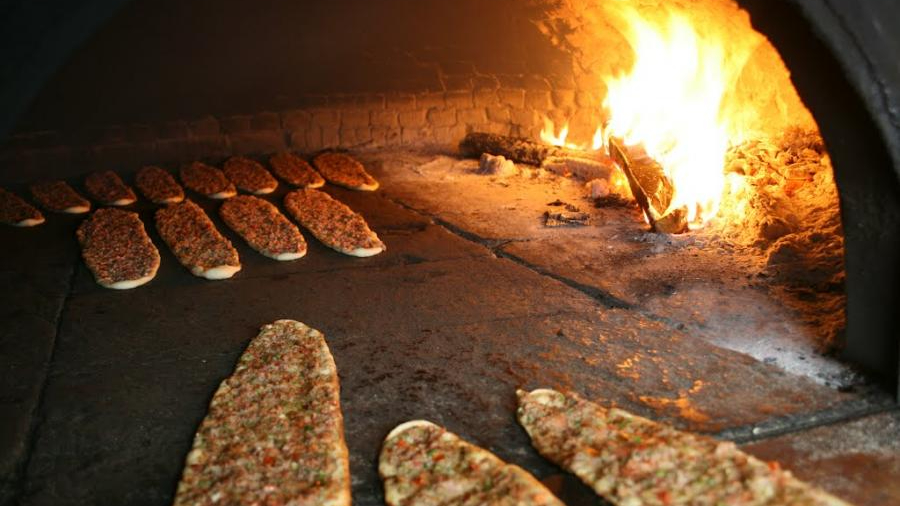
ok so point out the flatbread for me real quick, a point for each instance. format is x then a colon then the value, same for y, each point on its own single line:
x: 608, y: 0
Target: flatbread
x: 15, y: 211
x: 344, y: 170
x: 333, y: 223
x: 196, y: 243
x: 424, y: 464
x: 206, y: 180
x: 295, y: 171
x: 59, y: 197
x: 274, y: 433
x: 263, y: 227
x: 158, y: 186
x: 629, y: 460
x: 249, y: 175
x: 108, y: 188
x: 117, y: 249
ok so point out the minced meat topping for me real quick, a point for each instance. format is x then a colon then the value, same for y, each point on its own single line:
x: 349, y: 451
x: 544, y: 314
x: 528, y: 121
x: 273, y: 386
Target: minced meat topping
x: 249, y: 175
x: 202, y: 178
x: 274, y: 431
x: 261, y: 224
x: 107, y: 187
x: 631, y: 460
x: 158, y: 185
x: 193, y: 238
x: 116, y: 247
x: 343, y: 170
x: 295, y: 171
x: 332, y: 222
x: 57, y: 196
x: 14, y: 209
x: 426, y: 465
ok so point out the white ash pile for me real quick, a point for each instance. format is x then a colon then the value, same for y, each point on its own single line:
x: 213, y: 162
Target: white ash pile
x: 784, y: 202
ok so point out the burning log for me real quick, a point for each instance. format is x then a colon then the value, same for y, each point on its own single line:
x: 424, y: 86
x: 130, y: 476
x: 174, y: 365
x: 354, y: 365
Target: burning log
x: 651, y: 188
x: 558, y: 159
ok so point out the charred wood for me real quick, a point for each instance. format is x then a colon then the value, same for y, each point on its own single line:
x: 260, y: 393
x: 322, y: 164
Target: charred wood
x: 651, y: 188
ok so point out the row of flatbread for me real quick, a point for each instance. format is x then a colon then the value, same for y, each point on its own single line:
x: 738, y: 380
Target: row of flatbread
x: 274, y: 435
x: 159, y: 187
x: 116, y: 248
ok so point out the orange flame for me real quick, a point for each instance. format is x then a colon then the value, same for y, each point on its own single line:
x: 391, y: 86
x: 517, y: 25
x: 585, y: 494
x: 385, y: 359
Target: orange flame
x: 671, y: 103
x: 549, y: 135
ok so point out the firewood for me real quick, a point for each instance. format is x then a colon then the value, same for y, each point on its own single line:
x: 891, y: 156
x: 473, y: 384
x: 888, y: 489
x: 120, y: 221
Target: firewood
x: 517, y: 149
x: 651, y: 188
x: 557, y: 159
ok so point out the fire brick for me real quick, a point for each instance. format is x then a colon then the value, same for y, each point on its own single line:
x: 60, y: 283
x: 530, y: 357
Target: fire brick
x: 538, y: 99
x: 265, y: 121
x: 412, y: 119
x: 442, y: 118
x: 353, y: 118
x: 330, y: 136
x: 563, y: 99
x: 204, y: 127
x: 472, y: 116
x: 460, y: 99
x: 512, y: 97
x: 485, y: 97
x: 498, y: 114
x: 431, y: 100
x: 384, y: 118
x: 297, y: 119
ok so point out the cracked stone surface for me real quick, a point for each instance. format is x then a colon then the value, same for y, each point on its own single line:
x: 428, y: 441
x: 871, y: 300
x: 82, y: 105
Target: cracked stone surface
x: 857, y: 460
x: 438, y: 327
x: 687, y: 279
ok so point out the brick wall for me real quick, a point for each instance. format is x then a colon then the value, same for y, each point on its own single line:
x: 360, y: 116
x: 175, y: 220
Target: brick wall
x: 512, y: 106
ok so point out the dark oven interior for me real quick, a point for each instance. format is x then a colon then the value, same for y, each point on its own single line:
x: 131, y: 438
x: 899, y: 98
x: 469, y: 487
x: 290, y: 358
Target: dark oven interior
x: 768, y: 319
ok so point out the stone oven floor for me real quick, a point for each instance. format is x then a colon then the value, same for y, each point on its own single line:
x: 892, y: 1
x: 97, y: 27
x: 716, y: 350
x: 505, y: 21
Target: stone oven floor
x: 102, y: 390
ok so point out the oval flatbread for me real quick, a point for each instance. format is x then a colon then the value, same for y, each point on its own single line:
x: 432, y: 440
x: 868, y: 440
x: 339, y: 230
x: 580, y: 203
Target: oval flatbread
x: 195, y: 241
x: 15, y: 211
x: 58, y: 196
x: 249, y: 175
x: 117, y: 249
x: 344, y: 170
x: 424, y: 464
x: 263, y: 227
x: 206, y: 180
x: 158, y: 186
x: 108, y: 188
x: 333, y: 223
x: 295, y: 171
x: 274, y: 433
x: 628, y: 460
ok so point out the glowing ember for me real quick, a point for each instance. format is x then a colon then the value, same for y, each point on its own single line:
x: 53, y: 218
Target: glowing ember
x: 670, y: 104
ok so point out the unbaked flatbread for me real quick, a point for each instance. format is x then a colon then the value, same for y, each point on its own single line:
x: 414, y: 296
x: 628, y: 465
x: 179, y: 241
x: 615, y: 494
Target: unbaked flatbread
x: 424, y: 464
x: 196, y: 243
x: 59, y: 197
x: 295, y: 171
x: 108, y: 188
x: 274, y: 433
x: 263, y: 227
x: 630, y: 460
x: 249, y: 175
x: 158, y: 186
x: 333, y: 223
x: 117, y: 249
x: 15, y: 211
x: 206, y: 180
x: 344, y: 170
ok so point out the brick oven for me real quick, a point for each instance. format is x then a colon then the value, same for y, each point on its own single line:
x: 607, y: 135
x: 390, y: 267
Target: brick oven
x: 767, y: 318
